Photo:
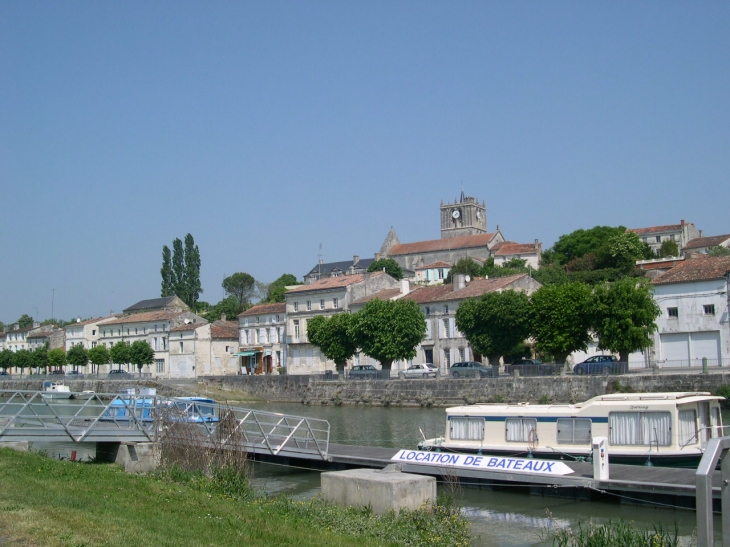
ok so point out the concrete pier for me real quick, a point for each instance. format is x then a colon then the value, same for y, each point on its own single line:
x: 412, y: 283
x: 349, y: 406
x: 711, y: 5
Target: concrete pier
x: 382, y: 490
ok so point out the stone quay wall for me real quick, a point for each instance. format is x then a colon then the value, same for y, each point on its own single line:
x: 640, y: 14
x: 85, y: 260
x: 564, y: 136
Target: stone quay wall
x: 445, y: 392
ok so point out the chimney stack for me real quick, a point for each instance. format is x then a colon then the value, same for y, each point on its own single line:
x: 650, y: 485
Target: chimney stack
x: 223, y: 317
x: 355, y: 259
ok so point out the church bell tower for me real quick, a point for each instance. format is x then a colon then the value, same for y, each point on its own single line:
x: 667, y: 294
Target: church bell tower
x: 465, y: 217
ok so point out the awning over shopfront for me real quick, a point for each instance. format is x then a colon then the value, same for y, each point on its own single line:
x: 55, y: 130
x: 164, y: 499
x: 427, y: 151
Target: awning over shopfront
x: 246, y: 353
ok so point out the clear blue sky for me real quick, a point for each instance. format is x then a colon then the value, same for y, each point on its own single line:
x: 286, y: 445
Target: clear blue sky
x: 268, y: 128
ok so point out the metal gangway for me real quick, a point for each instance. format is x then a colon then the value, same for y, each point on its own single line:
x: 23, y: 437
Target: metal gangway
x: 37, y: 416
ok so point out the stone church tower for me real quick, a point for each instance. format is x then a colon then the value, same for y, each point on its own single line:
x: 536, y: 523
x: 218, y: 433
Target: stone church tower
x: 466, y: 217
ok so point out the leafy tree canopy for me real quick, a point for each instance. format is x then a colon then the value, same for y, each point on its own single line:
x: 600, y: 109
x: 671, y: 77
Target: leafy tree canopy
x: 389, y: 330
x: 581, y: 242
x: 622, y: 251
x: 669, y: 248
x: 241, y: 286
x: 333, y: 336
x: 99, y: 355
x: 389, y: 265
x: 6, y: 359
x: 465, y: 266
x: 25, y: 321
x: 624, y: 315
x: 77, y: 356
x: 141, y: 354
x: 23, y: 359
x: 40, y: 357
x: 718, y: 251
x: 561, y: 319
x: 119, y: 353
x: 57, y: 358
x: 551, y: 274
x: 230, y: 306
x: 181, y: 272
x: 496, y: 323
x: 275, y: 291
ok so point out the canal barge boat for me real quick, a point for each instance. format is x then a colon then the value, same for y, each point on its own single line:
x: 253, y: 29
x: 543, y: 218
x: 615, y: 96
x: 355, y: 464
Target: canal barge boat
x: 55, y: 390
x: 669, y: 429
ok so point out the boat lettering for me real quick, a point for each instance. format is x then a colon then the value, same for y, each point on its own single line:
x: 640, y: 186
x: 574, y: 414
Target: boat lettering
x: 638, y: 407
x: 494, y: 463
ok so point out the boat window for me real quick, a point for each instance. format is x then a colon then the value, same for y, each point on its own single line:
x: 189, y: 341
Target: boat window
x: 687, y: 427
x: 467, y: 429
x: 574, y: 431
x: 717, y: 421
x: 705, y: 430
x: 640, y: 428
x: 520, y: 429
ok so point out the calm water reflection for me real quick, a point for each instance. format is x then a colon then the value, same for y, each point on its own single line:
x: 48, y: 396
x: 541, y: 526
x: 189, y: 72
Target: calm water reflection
x: 499, y: 518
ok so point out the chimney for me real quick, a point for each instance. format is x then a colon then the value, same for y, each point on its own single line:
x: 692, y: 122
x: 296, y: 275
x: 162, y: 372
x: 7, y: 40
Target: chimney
x: 459, y: 282
x: 405, y: 287
x: 355, y: 259
x: 682, y: 222
x: 223, y: 317
x: 377, y: 256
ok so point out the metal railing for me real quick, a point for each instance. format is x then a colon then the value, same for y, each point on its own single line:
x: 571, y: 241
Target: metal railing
x: 717, y: 449
x: 125, y: 417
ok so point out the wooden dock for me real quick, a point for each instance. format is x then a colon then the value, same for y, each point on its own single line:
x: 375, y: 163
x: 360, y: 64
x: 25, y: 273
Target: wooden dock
x: 631, y: 484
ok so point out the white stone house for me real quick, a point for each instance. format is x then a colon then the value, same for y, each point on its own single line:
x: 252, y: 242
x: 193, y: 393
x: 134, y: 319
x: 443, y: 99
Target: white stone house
x: 208, y: 349
x: 261, y: 338
x: 703, y: 244
x: 529, y: 252
x: 324, y: 297
x: 693, y: 325
x: 433, y: 274
x: 16, y: 339
x: 681, y: 234
x: 85, y: 333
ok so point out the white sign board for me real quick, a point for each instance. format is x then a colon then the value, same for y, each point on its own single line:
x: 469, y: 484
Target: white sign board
x: 528, y: 466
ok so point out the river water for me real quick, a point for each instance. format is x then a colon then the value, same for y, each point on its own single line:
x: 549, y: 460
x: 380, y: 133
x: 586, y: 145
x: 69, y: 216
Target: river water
x: 501, y: 518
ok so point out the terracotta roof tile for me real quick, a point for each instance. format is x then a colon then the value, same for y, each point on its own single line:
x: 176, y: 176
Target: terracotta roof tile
x: 443, y: 244
x: 224, y: 330
x: 143, y: 317
x: 474, y: 289
x: 382, y: 295
x: 332, y: 283
x: 655, y: 229
x: 516, y: 249
x: 701, y: 242
x: 697, y: 268
x: 264, y: 309
x: 439, y: 264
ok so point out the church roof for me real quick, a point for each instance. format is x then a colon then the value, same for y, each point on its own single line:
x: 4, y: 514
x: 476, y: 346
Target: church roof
x: 326, y: 269
x: 443, y: 244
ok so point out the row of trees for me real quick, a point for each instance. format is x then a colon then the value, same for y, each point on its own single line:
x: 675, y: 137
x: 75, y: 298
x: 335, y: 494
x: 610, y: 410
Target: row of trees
x: 561, y: 319
x: 139, y: 353
x: 387, y: 331
x: 181, y: 271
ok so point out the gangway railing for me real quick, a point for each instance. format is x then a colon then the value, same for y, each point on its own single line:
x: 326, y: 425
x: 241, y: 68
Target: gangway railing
x: 716, y: 449
x: 124, y: 417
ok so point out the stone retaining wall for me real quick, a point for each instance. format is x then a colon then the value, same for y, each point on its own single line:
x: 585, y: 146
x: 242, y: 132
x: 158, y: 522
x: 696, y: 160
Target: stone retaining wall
x: 450, y: 392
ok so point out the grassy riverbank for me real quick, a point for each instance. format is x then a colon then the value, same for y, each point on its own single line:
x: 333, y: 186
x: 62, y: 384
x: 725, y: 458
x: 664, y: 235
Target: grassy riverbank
x: 53, y: 503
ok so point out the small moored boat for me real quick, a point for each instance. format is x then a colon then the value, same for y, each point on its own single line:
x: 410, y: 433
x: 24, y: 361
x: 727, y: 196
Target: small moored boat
x: 54, y: 390
x: 658, y: 428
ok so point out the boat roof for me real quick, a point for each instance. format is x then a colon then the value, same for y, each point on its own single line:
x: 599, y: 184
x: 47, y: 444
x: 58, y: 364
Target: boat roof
x: 601, y: 400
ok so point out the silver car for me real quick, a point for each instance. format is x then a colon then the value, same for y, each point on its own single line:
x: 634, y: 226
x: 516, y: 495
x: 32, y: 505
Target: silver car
x: 424, y: 370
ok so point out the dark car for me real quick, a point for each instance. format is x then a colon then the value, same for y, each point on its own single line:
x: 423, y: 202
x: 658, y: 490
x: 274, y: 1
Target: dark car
x: 5, y: 375
x: 471, y: 369
x: 363, y: 372
x: 598, y: 364
x: 77, y: 374
x: 119, y: 374
x: 532, y: 367
x: 56, y: 372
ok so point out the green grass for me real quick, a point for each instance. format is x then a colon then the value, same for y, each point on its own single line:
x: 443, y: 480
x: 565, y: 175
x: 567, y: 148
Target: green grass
x: 613, y: 534
x: 44, y: 502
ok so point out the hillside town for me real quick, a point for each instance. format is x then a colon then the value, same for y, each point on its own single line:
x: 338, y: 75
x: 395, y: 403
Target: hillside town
x: 690, y: 290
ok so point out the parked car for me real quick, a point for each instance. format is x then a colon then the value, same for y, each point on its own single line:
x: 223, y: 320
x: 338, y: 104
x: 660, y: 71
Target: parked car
x: 363, y: 372
x: 599, y: 364
x: 470, y: 369
x: 532, y: 367
x: 5, y: 375
x: 75, y: 373
x: 423, y: 370
x: 119, y: 374
x: 57, y: 371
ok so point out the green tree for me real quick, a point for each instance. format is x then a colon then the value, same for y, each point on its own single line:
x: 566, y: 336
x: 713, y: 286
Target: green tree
x: 229, y: 306
x: 77, y: 356
x: 465, y: 266
x: 241, y: 286
x: 40, y: 358
x: 141, y: 354
x: 119, y: 353
x: 168, y: 288
x: 57, y: 358
x: 276, y: 290
x: 178, y: 269
x: 552, y: 274
x: 98, y: 356
x: 193, y: 288
x: 6, y: 359
x: 581, y: 242
x: 496, y: 323
x: 23, y: 359
x: 561, y: 319
x: 622, y: 251
x: 718, y: 251
x: 390, y: 266
x: 624, y: 316
x: 389, y: 330
x: 669, y: 248
x: 25, y: 321
x: 333, y: 336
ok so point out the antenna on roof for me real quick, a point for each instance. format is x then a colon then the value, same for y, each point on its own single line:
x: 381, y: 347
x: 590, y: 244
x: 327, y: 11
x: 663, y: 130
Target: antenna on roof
x: 319, y: 261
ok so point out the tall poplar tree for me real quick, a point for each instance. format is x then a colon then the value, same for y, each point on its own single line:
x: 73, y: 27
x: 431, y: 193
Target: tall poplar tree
x: 192, y: 272
x: 178, y: 269
x: 181, y: 271
x: 166, y: 272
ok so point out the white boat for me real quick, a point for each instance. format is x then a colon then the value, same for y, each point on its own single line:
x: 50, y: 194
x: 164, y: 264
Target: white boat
x: 54, y: 390
x: 85, y: 395
x: 641, y: 428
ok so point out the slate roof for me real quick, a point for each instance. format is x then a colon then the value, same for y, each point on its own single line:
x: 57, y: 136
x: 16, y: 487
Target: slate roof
x: 264, y: 309
x: 151, y: 303
x: 159, y: 315
x: 326, y: 268
x: 443, y: 244
x: 508, y: 249
x: 329, y: 283
x: 656, y: 229
x: 696, y: 268
x: 701, y: 242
